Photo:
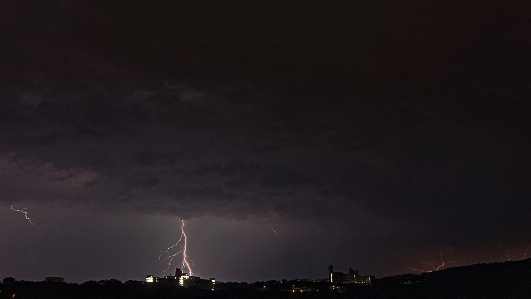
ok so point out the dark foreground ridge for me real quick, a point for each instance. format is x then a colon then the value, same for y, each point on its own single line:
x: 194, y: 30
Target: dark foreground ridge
x: 495, y: 280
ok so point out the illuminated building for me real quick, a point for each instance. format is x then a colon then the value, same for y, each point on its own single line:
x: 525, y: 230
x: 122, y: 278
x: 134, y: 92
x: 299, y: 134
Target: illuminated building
x: 184, y: 280
x: 166, y: 279
x: 213, y: 283
x: 170, y: 278
x: 195, y: 281
x: 351, y: 277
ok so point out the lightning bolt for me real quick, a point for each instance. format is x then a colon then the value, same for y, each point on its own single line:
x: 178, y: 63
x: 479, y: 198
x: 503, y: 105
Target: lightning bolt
x: 508, y: 256
x: 525, y: 253
x: 437, y: 264
x: 424, y: 262
x: 443, y: 263
x: 169, y: 256
x: 185, y: 262
x: 166, y: 255
x: 23, y: 211
x: 274, y: 231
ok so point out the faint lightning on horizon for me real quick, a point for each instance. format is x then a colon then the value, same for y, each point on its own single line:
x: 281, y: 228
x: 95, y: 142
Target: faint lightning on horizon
x: 508, y: 255
x: 525, y: 253
x: 443, y: 263
x: 436, y: 265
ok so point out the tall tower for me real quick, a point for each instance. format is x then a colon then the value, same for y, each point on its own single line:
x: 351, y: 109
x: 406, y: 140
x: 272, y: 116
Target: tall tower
x: 330, y: 271
x: 178, y: 273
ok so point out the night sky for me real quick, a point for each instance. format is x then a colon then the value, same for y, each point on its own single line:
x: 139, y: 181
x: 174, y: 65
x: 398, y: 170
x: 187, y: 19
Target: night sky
x: 289, y: 135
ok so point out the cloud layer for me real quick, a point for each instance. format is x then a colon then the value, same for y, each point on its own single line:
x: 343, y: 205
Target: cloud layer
x: 421, y: 133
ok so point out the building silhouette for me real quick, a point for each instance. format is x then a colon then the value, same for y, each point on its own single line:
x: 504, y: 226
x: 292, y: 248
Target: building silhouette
x: 184, y: 280
x: 351, y: 277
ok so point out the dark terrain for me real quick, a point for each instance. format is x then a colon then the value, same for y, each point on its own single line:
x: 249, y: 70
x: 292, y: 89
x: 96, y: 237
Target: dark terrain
x: 494, y: 280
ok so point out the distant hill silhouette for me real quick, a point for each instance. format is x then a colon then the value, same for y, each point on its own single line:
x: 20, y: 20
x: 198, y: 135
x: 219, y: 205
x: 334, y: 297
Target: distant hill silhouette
x: 495, y: 280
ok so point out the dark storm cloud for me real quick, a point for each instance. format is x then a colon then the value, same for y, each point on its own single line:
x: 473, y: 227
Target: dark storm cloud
x: 422, y: 122
x: 272, y: 176
x: 150, y: 157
